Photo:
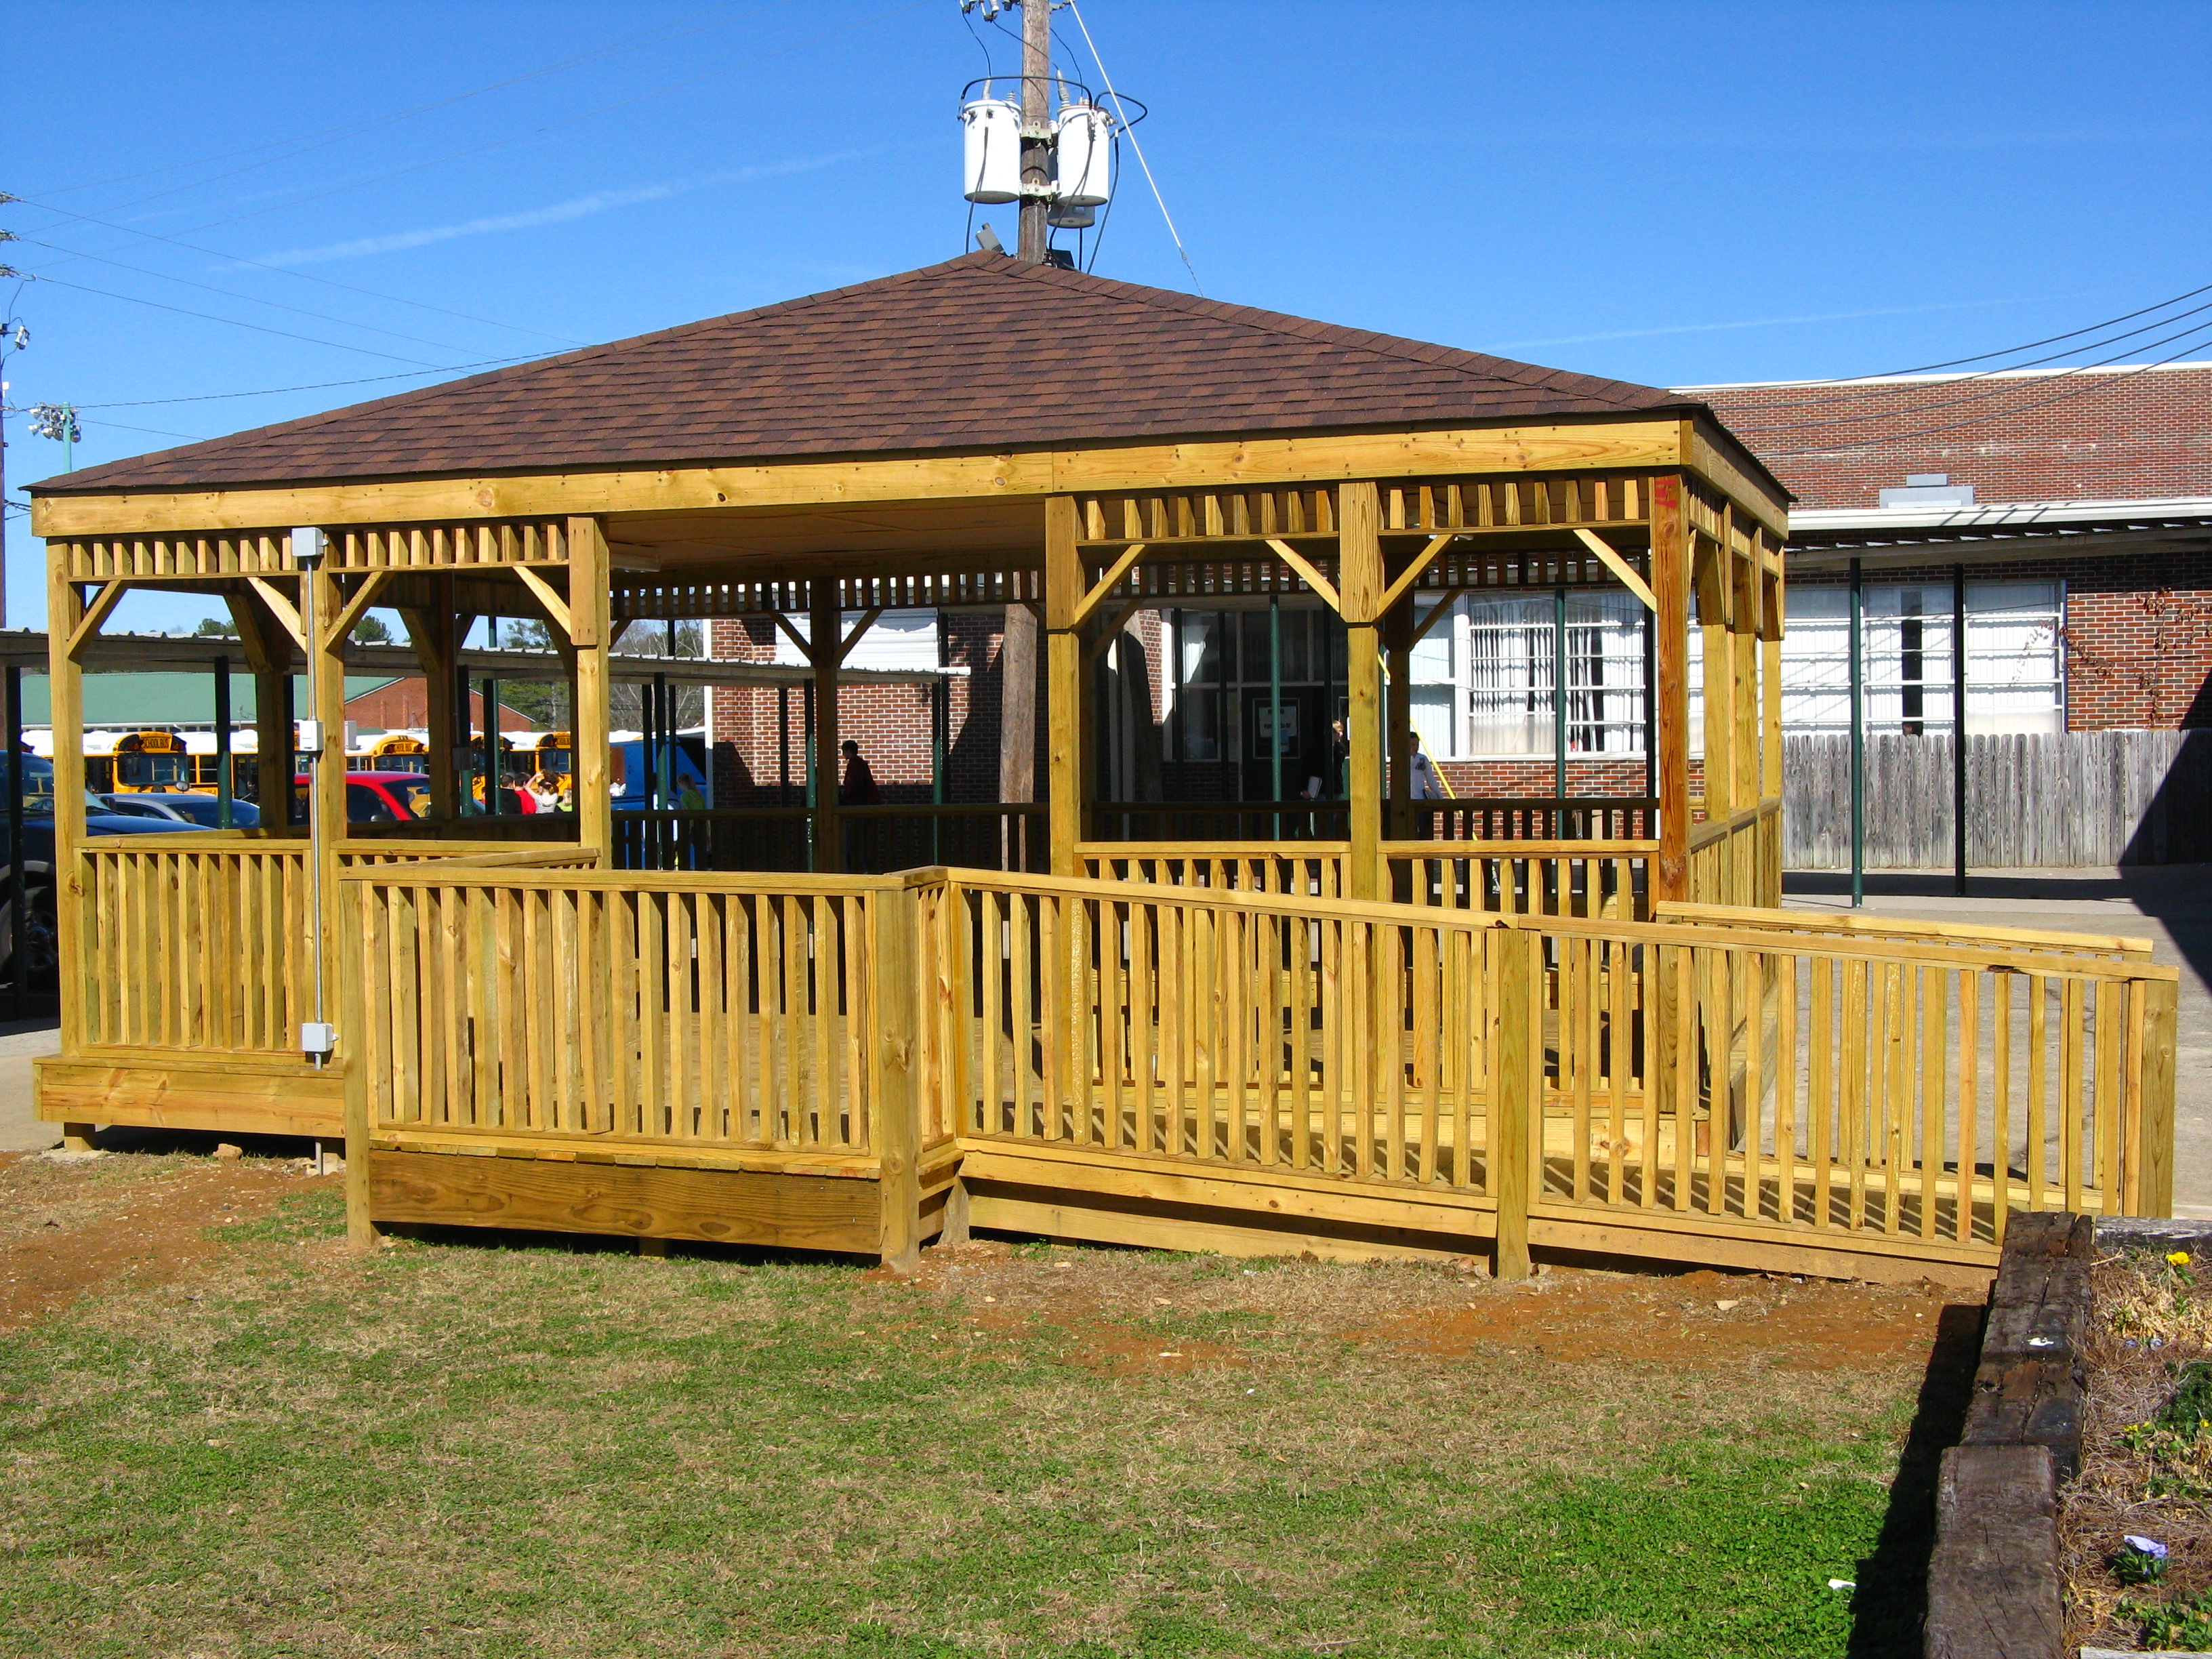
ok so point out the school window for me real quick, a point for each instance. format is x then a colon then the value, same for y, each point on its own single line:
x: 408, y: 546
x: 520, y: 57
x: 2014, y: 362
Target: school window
x: 2014, y: 662
x: 1482, y: 678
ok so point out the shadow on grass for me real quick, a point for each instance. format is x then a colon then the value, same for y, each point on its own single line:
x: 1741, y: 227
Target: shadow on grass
x: 1892, y: 1599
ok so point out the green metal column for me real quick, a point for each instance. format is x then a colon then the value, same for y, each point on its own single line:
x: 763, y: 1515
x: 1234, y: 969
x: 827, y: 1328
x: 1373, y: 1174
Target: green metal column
x: 1275, y: 704
x: 1858, y: 737
x: 1559, y: 706
x: 222, y: 796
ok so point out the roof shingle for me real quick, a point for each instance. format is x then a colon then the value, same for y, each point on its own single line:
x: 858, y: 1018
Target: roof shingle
x: 981, y: 352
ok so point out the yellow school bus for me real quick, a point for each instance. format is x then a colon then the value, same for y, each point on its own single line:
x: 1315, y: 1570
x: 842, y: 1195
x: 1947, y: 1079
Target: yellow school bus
x: 554, y: 780
x: 397, y: 751
x: 139, y: 762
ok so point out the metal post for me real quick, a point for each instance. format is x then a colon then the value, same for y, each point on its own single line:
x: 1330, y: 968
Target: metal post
x: 664, y: 703
x: 491, y: 766
x: 1959, y: 729
x: 463, y: 774
x: 806, y: 733
x: 223, y: 814
x: 18, y: 900
x: 1858, y: 737
x: 783, y: 746
x: 1559, y: 708
x: 940, y: 726
x: 1228, y: 725
x: 1275, y: 701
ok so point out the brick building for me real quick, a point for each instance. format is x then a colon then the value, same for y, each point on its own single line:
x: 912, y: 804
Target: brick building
x: 2073, y: 508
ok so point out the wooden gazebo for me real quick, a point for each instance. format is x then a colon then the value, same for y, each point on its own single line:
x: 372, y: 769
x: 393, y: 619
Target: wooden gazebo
x: 1465, y: 1025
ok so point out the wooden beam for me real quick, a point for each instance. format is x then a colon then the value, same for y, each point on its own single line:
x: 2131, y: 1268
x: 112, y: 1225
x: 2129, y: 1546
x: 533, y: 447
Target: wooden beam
x: 1670, y: 581
x: 1106, y: 635
x: 1595, y: 446
x: 555, y: 606
x: 1066, y: 772
x: 65, y: 692
x: 590, y: 721
x: 867, y: 621
x: 1104, y: 585
x: 96, y: 614
x: 805, y: 645
x: 286, y: 613
x: 1414, y: 570
x: 1620, y: 567
x: 344, y: 622
x: 1360, y: 564
x: 1438, y: 612
x: 430, y: 635
x: 1309, y: 573
x: 823, y: 623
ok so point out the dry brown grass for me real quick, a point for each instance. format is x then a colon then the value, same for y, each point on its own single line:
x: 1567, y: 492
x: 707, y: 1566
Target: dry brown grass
x: 2151, y: 1320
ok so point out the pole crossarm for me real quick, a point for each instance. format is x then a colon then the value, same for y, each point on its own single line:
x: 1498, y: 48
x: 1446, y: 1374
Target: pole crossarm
x: 1620, y: 567
x: 1414, y: 570
x: 805, y: 647
x: 1114, y: 625
x: 546, y: 595
x: 96, y: 616
x: 349, y: 618
x: 1308, y: 573
x: 1097, y: 595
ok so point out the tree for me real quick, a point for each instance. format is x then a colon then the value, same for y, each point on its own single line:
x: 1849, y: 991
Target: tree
x: 212, y: 627
x: 372, y: 629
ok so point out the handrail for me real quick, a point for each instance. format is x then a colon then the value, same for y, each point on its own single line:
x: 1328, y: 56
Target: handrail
x: 1810, y: 922
x: 1713, y: 829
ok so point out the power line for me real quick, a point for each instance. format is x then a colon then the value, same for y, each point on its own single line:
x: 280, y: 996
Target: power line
x: 249, y: 299
x: 1129, y: 127
x: 2008, y: 351
x: 2196, y: 329
x: 2101, y: 383
x: 259, y: 328
x: 322, y: 385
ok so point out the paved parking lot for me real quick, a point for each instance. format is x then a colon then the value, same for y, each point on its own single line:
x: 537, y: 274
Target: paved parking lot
x: 19, y: 1045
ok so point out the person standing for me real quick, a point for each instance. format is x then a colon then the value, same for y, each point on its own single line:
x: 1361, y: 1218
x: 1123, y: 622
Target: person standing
x: 858, y: 789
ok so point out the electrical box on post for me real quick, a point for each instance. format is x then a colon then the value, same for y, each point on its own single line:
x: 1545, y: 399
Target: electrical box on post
x: 318, y: 1036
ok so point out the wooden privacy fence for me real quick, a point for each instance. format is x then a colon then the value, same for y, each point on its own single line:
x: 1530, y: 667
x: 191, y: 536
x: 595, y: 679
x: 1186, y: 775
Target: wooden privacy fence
x: 1219, y: 1059
x: 2033, y: 800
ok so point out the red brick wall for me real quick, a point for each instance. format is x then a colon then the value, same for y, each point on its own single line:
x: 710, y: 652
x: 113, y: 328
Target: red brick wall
x: 404, y: 706
x: 2091, y: 436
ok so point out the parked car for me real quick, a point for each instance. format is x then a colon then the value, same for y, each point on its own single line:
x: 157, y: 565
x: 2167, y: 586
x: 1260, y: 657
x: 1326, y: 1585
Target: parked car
x: 184, y: 807
x: 394, y: 797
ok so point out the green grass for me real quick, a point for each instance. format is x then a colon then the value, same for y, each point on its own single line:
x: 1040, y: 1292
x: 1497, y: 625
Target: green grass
x: 452, y: 1450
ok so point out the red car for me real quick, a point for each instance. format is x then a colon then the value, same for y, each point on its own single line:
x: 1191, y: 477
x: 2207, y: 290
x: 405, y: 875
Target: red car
x: 396, y: 797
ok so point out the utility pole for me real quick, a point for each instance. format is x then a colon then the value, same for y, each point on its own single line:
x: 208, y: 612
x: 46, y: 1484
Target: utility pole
x: 1037, y: 128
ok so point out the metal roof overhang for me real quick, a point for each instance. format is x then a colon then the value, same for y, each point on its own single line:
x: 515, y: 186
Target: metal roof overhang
x: 1829, y: 538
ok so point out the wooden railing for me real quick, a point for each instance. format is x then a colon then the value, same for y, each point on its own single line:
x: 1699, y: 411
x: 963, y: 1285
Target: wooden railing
x: 1315, y: 869
x: 1751, y: 1093
x: 661, y: 1013
x: 1552, y: 878
x: 988, y: 835
x: 1534, y: 818
x: 205, y: 941
x: 1737, y: 859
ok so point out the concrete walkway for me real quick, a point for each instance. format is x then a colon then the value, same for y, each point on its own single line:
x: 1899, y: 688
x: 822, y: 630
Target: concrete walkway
x: 2171, y: 905
x: 20, y: 1044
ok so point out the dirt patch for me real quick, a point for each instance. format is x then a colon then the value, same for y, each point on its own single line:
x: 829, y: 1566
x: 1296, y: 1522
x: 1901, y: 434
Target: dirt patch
x: 68, y: 1227
x: 1121, y: 1313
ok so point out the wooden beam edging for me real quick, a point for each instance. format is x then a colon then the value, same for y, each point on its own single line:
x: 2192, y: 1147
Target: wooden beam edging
x: 1808, y: 922
x: 1994, y: 1587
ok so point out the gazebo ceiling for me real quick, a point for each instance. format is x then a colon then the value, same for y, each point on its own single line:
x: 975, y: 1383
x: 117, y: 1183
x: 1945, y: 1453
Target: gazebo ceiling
x: 981, y: 354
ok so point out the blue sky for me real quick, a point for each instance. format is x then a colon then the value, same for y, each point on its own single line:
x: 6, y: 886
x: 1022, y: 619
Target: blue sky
x: 1669, y: 194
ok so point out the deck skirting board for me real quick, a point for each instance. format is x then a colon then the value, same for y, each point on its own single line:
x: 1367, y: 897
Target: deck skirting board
x: 721, y: 1207
x: 209, y: 1092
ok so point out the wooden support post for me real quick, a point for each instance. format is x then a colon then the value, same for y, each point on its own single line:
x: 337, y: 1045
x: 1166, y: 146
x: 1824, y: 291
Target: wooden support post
x: 895, y: 919
x: 1715, y: 605
x: 432, y: 635
x: 1745, y: 626
x: 1359, y: 585
x: 268, y: 650
x: 825, y: 627
x: 353, y: 1026
x: 1064, y: 590
x: 590, y: 614
x: 64, y: 612
x: 78, y: 1137
x: 1670, y: 585
x: 1398, y: 719
x: 1516, y: 1124
x: 1769, y: 771
x: 2154, y: 1182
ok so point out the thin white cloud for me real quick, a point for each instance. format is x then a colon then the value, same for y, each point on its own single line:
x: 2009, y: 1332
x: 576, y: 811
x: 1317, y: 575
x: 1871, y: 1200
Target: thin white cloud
x: 1773, y: 322
x: 556, y: 213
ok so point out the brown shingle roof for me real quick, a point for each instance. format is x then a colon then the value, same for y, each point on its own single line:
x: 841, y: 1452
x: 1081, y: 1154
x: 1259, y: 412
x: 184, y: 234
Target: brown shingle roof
x: 982, y: 352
